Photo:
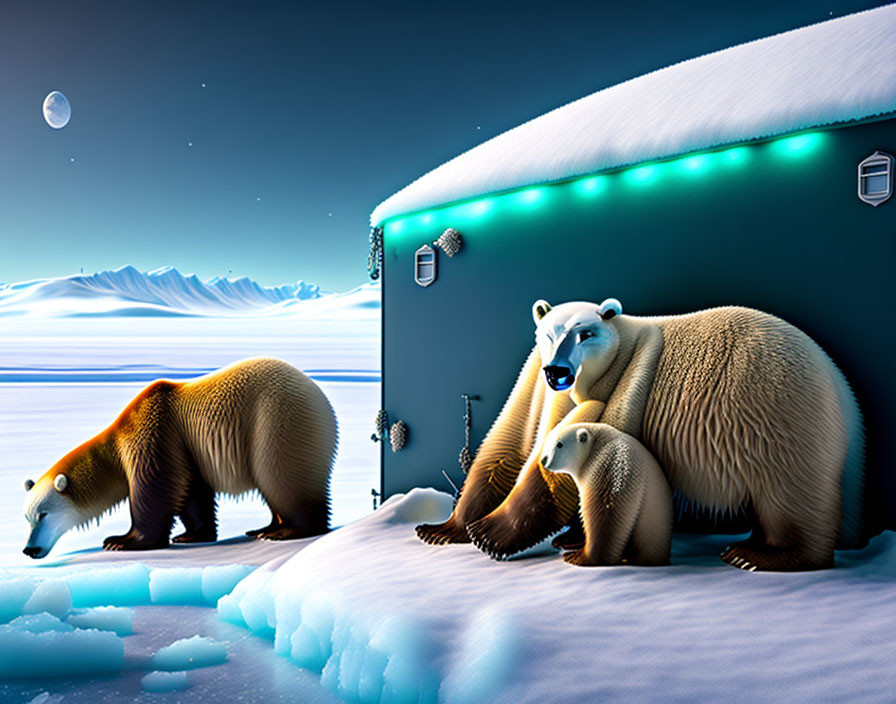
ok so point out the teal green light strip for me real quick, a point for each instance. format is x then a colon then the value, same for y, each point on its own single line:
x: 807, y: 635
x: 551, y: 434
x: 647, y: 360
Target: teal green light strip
x: 641, y: 175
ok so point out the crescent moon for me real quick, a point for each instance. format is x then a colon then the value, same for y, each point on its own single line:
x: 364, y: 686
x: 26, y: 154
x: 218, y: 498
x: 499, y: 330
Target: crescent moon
x: 57, y: 110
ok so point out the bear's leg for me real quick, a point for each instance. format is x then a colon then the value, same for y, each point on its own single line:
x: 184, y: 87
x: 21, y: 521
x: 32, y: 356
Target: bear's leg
x: 299, y: 504
x: 532, y: 511
x: 542, y: 502
x: 276, y: 522
x: 161, y: 473
x: 609, y: 526
x: 302, y: 521
x: 499, y: 459
x: 199, y: 515
x: 801, y: 539
x: 150, y: 527
x: 573, y: 538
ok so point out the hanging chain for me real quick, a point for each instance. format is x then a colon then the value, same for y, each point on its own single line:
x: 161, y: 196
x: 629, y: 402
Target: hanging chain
x: 465, y: 459
x: 375, y: 255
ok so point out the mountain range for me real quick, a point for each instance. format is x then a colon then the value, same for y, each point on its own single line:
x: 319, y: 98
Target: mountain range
x: 126, y: 291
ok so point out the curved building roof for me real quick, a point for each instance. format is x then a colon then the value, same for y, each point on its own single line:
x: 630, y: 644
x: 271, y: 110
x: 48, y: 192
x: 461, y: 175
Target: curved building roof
x: 837, y: 71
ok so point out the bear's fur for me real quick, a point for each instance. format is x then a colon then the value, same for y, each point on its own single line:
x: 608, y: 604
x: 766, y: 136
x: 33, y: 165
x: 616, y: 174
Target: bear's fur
x: 257, y: 424
x: 624, y: 499
x: 741, y: 410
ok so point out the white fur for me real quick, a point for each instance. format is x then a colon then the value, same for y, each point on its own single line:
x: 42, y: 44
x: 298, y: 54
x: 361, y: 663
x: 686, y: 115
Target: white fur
x: 50, y: 514
x: 557, y: 333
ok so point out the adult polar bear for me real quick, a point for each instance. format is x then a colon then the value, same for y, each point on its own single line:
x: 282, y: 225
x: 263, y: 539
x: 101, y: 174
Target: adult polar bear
x: 741, y: 409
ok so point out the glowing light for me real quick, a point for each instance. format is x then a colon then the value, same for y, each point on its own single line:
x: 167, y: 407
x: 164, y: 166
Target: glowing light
x: 797, y: 146
x: 642, y: 174
x: 481, y: 207
x: 530, y: 196
x: 695, y: 164
x: 737, y: 155
x: 590, y: 186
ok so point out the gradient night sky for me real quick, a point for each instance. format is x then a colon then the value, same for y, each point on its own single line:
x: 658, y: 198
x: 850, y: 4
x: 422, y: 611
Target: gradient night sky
x: 320, y: 111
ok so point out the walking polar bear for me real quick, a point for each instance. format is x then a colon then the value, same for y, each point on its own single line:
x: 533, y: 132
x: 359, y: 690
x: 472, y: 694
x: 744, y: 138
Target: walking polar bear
x: 257, y: 424
x: 741, y: 410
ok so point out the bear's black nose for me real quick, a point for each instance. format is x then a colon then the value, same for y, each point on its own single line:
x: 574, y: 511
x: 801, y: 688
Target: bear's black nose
x: 32, y: 552
x: 544, y: 461
x: 559, y: 378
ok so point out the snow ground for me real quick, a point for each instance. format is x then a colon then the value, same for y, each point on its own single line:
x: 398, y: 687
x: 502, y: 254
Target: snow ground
x: 385, y: 617
x: 372, y: 613
x: 64, y: 380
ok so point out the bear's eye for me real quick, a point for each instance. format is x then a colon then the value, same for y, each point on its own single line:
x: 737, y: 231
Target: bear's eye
x: 41, y: 516
x: 584, y: 335
x: 559, y: 445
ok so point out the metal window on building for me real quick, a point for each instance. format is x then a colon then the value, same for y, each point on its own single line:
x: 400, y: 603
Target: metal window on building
x: 425, y: 265
x: 876, y: 178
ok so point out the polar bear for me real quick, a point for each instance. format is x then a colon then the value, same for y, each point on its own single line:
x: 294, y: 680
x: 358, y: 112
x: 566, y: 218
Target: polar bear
x: 624, y: 499
x: 741, y: 410
x: 257, y: 424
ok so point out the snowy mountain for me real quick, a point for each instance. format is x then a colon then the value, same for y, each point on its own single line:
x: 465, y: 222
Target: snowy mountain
x: 166, y: 292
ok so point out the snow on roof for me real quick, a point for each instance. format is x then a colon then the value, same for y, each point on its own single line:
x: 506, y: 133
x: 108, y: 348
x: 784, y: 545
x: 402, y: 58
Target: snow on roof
x: 836, y: 71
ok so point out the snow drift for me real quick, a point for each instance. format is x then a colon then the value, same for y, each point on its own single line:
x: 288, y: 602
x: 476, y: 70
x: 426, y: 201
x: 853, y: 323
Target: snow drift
x: 384, y: 617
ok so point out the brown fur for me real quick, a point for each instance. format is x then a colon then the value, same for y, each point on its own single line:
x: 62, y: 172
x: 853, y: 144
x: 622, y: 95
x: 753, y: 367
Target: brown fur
x: 741, y: 409
x: 258, y: 424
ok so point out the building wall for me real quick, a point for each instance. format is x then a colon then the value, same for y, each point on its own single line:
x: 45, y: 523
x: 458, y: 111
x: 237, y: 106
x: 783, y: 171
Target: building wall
x: 776, y: 226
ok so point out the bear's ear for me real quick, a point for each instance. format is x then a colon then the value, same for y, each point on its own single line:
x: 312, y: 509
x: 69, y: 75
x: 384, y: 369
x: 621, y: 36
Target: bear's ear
x: 582, y: 435
x: 29, y: 484
x: 609, y: 308
x: 540, y: 309
x: 60, y: 482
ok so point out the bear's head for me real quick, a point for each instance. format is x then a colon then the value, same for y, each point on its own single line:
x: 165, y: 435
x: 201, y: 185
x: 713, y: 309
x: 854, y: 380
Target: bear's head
x: 566, y: 448
x: 577, y: 341
x: 49, y: 510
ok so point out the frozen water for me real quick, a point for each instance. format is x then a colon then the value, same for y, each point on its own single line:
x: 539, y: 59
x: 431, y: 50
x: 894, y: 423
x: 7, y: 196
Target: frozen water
x: 218, y: 580
x: 165, y: 681
x: 251, y: 674
x: 176, y: 585
x: 52, y: 653
x: 14, y: 594
x: 63, y: 380
x: 190, y: 653
x: 113, y: 586
x: 117, y: 619
x: 40, y: 623
x: 201, y: 586
x: 828, y: 73
x: 51, y: 596
x: 47, y: 698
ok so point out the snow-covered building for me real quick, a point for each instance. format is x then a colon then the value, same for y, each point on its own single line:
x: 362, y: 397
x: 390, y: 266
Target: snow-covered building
x: 760, y: 175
